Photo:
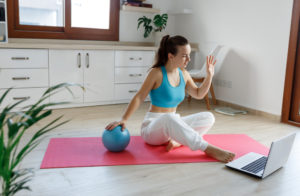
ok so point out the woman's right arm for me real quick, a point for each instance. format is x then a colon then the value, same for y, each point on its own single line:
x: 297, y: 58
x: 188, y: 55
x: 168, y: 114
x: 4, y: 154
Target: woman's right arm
x: 136, y: 101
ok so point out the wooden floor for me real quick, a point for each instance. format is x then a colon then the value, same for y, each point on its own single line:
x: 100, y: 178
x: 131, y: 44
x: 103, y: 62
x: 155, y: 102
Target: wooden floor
x: 165, y: 179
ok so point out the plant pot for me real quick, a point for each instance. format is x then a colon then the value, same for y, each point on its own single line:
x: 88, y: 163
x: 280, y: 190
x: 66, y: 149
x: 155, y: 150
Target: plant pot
x: 158, y: 36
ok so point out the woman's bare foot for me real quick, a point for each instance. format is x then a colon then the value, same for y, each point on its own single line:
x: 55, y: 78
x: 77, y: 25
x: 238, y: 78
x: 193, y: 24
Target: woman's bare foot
x: 172, y: 144
x: 219, y: 154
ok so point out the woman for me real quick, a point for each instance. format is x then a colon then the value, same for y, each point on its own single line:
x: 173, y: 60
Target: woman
x: 166, y: 83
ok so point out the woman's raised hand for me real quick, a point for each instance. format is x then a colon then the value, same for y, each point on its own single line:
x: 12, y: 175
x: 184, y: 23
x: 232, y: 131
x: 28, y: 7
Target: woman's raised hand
x: 114, y: 124
x: 210, y: 65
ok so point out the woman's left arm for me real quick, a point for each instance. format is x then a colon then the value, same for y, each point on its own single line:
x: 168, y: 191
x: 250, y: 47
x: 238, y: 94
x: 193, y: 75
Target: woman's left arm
x: 200, y: 92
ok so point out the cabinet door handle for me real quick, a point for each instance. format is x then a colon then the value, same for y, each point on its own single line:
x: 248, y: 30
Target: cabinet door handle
x: 135, y: 75
x: 133, y: 91
x: 20, y: 78
x: 19, y: 58
x: 87, y: 59
x: 137, y: 59
x: 20, y: 98
x: 79, y: 60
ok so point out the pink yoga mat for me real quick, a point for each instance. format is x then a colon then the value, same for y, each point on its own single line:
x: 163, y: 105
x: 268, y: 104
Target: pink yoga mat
x: 89, y: 151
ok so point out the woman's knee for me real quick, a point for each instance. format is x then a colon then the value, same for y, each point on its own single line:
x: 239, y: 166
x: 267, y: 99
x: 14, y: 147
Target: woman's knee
x: 170, y: 119
x: 208, y: 117
x: 211, y: 117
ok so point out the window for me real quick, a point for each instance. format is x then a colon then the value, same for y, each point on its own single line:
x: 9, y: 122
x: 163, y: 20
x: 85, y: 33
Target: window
x: 64, y: 19
x: 42, y: 13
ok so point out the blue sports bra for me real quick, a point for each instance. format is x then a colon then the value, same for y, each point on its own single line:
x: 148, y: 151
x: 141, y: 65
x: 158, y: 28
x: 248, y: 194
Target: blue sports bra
x: 166, y: 95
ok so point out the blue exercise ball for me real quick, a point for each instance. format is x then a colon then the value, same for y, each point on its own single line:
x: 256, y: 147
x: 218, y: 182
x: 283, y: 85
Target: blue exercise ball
x: 116, y: 140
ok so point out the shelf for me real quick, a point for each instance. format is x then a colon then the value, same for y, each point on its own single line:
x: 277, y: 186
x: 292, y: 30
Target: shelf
x: 139, y: 9
x: 181, y: 11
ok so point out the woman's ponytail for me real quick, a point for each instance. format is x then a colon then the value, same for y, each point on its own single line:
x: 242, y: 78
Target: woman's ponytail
x: 163, y: 42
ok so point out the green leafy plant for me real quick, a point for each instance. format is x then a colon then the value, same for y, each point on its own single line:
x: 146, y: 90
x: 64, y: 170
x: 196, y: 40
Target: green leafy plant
x: 158, y: 24
x: 13, y: 125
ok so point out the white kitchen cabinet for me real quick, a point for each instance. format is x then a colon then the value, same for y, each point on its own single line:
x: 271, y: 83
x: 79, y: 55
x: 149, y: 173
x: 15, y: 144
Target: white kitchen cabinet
x: 26, y: 71
x: 66, y: 66
x: 99, y: 76
x: 130, y: 74
x: 22, y: 78
x: 32, y: 95
x: 131, y: 69
x: 126, y: 91
x: 108, y: 76
x: 24, y: 58
x: 134, y: 58
x: 93, y: 69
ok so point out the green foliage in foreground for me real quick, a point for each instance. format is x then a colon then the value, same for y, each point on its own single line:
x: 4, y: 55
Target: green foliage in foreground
x: 13, y: 125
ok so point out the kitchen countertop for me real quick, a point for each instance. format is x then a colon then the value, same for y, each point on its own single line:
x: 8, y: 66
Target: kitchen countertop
x: 81, y: 45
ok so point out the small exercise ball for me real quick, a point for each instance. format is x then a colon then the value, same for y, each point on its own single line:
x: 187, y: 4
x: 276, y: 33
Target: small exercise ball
x: 116, y: 140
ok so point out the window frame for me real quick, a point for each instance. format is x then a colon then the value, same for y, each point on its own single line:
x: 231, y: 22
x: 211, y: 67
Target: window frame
x: 15, y: 30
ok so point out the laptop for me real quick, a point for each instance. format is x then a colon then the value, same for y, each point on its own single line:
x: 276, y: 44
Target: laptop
x: 262, y: 166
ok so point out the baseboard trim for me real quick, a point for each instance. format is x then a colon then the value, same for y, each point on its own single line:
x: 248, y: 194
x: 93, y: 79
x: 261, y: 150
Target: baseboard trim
x: 250, y: 110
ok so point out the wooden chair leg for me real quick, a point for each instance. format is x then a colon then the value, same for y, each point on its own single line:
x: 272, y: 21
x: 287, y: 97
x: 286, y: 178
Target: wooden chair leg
x: 207, y: 101
x: 189, y: 98
x: 200, y: 80
x: 212, y: 92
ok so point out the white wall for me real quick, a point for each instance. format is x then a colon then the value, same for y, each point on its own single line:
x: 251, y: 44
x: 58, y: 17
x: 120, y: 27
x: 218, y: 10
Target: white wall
x: 255, y: 35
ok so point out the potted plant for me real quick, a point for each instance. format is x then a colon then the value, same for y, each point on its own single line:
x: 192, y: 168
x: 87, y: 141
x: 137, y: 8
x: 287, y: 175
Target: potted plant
x: 158, y: 24
x: 13, y: 125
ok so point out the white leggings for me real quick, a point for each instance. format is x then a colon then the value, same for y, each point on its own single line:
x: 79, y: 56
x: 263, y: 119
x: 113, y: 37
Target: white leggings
x: 159, y: 128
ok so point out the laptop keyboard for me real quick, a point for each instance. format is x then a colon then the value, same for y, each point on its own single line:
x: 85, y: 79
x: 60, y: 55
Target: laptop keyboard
x: 256, y: 166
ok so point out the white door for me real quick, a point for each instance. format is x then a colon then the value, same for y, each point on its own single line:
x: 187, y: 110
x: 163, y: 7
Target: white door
x: 66, y: 66
x: 98, y: 75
